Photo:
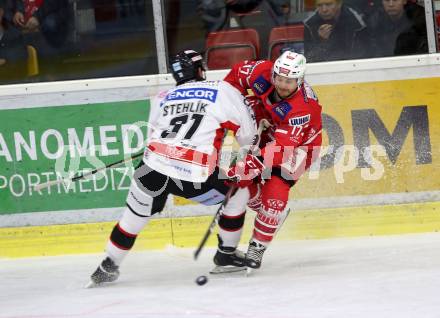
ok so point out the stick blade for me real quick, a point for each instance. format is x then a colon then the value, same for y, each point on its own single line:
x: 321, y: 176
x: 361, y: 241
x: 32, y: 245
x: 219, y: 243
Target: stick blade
x: 218, y: 270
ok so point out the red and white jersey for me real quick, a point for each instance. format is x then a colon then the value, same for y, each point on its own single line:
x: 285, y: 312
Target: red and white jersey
x: 253, y: 75
x: 297, y: 120
x: 298, y: 133
x: 187, y: 125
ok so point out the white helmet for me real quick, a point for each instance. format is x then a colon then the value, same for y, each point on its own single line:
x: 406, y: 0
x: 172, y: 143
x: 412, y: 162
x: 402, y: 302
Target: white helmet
x: 290, y: 65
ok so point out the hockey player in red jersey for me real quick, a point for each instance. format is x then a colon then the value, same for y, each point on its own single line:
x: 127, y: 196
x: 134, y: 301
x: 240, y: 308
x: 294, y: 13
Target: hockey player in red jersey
x: 296, y: 116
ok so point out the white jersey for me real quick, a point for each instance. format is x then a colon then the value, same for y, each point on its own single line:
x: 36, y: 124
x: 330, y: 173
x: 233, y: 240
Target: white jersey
x: 187, y: 126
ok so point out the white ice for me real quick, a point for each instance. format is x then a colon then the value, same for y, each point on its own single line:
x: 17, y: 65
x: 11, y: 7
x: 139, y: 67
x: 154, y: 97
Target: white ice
x: 388, y: 276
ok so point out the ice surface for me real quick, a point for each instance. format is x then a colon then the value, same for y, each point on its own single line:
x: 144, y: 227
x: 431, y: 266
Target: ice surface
x: 388, y: 276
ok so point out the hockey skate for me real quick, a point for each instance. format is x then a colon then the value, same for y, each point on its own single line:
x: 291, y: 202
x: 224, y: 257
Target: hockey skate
x: 107, y: 272
x: 254, y: 256
x: 228, y: 260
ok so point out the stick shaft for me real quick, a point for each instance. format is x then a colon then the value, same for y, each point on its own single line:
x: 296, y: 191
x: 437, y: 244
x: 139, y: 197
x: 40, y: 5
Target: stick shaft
x: 48, y: 184
x: 263, y: 124
x: 213, y: 222
x: 110, y: 165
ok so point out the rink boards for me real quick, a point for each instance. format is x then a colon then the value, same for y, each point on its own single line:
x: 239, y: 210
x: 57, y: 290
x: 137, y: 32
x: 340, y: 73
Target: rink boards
x: 378, y: 173
x: 187, y: 231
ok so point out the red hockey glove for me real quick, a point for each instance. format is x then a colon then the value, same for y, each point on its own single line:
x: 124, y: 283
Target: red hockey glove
x: 243, y: 172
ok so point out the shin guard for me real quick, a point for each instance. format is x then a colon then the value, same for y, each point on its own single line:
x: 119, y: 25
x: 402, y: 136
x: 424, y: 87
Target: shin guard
x: 124, y: 235
x: 274, y: 196
x: 232, y: 218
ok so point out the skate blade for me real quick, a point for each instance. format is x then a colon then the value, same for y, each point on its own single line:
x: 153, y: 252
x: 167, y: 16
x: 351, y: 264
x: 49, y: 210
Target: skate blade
x: 226, y: 269
x: 249, y: 271
x: 91, y: 284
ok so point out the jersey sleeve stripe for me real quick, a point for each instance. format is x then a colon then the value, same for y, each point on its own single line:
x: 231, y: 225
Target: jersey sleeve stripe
x: 181, y: 154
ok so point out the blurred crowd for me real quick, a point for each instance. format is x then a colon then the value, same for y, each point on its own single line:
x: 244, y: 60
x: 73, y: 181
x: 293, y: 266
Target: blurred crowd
x: 333, y: 30
x: 41, y: 24
x: 336, y: 29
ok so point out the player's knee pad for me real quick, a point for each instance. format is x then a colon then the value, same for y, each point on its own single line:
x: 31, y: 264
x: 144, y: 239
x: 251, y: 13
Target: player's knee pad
x: 230, y: 229
x: 231, y: 223
x: 121, y: 238
x: 123, y: 235
x: 232, y: 218
x: 274, y: 196
x: 233, y: 214
x: 125, y: 232
x: 139, y: 202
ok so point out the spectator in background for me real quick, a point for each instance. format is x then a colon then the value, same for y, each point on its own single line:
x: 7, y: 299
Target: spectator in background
x: 2, y: 33
x: 280, y: 11
x: 216, y: 13
x: 47, y: 16
x: 261, y: 15
x: 334, y: 32
x: 363, y: 7
x: 130, y: 8
x: 12, y: 50
x: 397, y: 28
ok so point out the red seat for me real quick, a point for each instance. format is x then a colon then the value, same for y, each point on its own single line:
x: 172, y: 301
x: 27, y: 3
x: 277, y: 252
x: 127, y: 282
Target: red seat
x: 437, y: 16
x: 225, y: 48
x: 282, y: 35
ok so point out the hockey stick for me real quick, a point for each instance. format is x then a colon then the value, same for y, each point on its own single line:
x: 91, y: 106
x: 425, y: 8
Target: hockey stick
x: 213, y: 222
x: 45, y: 185
x: 264, y: 123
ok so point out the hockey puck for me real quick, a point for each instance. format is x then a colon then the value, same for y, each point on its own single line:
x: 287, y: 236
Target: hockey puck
x: 201, y: 280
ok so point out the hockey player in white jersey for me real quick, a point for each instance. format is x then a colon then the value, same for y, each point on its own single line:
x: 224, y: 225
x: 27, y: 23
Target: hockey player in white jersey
x: 187, y: 126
